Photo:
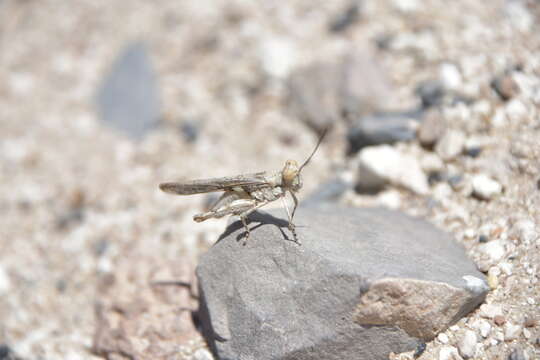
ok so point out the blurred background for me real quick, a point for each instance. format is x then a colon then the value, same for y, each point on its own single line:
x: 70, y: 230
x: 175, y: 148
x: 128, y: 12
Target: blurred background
x: 100, y: 101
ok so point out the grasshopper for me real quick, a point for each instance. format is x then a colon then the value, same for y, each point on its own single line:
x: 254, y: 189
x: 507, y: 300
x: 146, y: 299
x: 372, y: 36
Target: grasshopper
x: 243, y: 194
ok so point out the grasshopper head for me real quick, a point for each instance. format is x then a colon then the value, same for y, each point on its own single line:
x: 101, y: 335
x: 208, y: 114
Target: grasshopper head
x: 291, y: 176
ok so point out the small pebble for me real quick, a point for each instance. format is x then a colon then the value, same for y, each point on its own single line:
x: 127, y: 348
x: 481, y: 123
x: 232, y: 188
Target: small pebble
x: 202, y: 354
x: 467, y: 344
x: 443, y: 338
x: 490, y: 311
x: 506, y: 268
x: 495, y: 249
x: 530, y: 321
x: 450, y: 145
x: 5, y: 282
x: 525, y: 231
x: 527, y: 333
x: 483, y: 327
x: 516, y: 354
x: 511, y: 331
x: 485, y: 188
x: 431, y: 129
x: 419, y: 350
x: 449, y: 353
x: 493, y: 281
x: 505, y: 86
x: 450, y: 76
x: 483, y: 239
x: 499, y: 320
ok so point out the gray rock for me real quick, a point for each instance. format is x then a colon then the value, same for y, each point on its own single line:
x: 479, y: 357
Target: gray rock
x: 320, y: 94
x: 356, y: 288
x: 313, y: 95
x: 128, y: 99
x: 383, y: 128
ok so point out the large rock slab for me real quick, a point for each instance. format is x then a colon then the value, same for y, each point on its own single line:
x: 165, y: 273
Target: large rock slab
x: 363, y: 283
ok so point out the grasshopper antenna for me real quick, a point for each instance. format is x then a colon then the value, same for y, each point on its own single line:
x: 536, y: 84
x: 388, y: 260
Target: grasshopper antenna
x: 314, y: 150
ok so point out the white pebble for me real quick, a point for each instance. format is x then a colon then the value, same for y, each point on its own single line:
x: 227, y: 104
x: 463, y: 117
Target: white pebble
x: 430, y: 162
x: 516, y: 110
x: 484, y: 327
x: 495, y: 249
x: 485, y: 187
x: 450, y: 76
x: 202, y: 354
x: 467, y: 344
x: 384, y: 164
x: 499, y: 118
x: 449, y: 353
x: 506, y: 268
x: 5, y: 282
x: 490, y: 310
x: 443, y: 338
x: 525, y: 230
x: 511, y: 331
x: 278, y: 56
x: 450, y: 145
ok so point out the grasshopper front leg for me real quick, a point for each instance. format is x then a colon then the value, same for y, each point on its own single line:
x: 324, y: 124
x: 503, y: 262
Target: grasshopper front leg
x: 246, y: 213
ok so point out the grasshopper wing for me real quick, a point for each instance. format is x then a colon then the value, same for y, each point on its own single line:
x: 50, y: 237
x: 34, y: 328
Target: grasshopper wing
x: 247, y: 181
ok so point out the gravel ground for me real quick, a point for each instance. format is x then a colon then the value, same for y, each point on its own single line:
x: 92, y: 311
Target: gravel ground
x: 80, y: 202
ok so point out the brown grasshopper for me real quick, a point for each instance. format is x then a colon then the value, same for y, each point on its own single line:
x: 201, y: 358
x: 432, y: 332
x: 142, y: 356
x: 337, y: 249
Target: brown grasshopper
x: 243, y: 194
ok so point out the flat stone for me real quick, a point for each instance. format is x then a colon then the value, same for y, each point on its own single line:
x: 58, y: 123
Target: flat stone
x: 128, y: 99
x: 356, y: 288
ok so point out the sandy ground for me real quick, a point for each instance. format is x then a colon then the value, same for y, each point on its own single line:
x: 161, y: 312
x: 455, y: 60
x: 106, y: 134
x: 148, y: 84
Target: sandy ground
x: 79, y: 200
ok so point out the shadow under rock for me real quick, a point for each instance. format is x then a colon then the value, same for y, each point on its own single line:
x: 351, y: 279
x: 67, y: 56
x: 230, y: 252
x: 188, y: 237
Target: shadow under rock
x: 262, y: 218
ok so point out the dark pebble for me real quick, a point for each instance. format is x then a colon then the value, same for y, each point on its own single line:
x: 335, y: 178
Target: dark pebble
x: 473, y: 152
x: 431, y: 93
x: 483, y: 239
x: 190, y: 131
x: 435, y: 177
x: 345, y: 19
x: 419, y: 350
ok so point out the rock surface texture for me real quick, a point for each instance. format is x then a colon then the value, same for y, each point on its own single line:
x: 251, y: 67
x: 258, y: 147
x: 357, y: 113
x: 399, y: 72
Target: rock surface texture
x: 363, y: 283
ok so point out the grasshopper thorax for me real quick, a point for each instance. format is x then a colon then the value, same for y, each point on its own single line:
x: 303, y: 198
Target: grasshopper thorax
x: 291, y: 176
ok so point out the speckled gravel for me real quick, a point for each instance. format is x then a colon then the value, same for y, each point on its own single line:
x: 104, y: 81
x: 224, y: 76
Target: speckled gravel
x: 79, y: 198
